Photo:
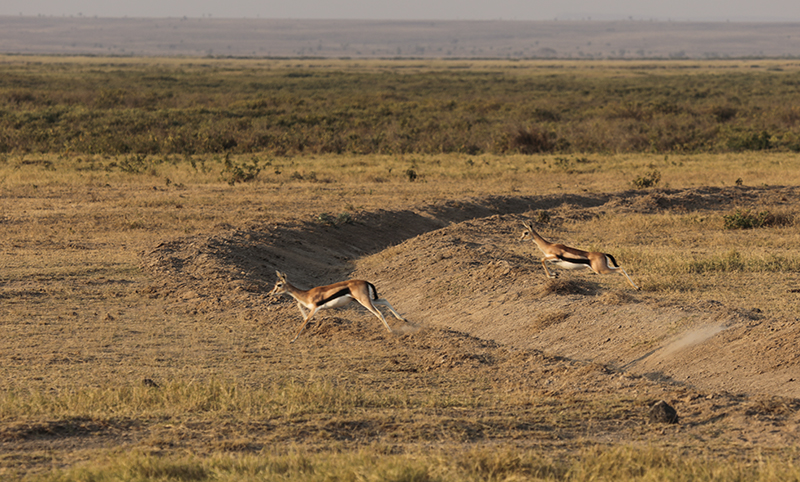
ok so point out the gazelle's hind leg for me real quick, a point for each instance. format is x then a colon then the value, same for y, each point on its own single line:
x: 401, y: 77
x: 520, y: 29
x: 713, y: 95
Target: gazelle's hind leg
x: 629, y: 279
x: 605, y: 267
x: 368, y: 305
x: 305, y: 322
x: 383, y: 302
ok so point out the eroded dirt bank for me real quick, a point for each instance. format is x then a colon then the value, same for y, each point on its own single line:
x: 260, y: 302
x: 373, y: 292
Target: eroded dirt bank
x: 458, y: 267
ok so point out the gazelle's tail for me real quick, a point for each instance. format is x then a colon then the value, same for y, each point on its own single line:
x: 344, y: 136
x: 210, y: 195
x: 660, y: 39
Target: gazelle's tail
x: 374, y: 291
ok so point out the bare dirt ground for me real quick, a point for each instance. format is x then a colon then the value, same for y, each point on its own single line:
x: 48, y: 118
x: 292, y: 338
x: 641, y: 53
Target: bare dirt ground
x: 476, y: 299
x: 460, y: 266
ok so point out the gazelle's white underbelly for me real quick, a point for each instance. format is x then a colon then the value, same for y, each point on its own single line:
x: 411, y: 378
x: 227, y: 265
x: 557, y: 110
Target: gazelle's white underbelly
x: 337, y: 302
x: 567, y: 265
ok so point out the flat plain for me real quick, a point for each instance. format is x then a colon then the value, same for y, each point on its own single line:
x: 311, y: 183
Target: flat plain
x: 578, y: 39
x: 138, y: 340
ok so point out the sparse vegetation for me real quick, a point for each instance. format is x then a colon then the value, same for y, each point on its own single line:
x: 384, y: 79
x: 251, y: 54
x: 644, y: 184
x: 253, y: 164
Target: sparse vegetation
x: 331, y: 220
x: 182, y: 107
x: 648, y: 180
x: 233, y: 172
x: 746, y: 219
x: 542, y: 217
x: 627, y: 463
x: 734, y: 261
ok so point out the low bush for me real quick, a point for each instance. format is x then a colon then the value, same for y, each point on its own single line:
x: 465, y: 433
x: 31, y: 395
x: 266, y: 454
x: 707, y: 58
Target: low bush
x: 650, y: 179
x: 745, y: 219
x: 234, y: 172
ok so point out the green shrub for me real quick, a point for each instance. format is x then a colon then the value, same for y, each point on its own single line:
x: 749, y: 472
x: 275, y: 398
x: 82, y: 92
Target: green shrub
x: 133, y: 164
x: 233, y: 172
x: 760, y: 141
x: 542, y: 217
x: 330, y: 220
x: 650, y: 179
x: 744, y: 219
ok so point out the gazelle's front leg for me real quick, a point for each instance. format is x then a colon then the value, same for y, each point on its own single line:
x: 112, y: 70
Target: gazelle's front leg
x: 547, y: 271
x: 305, y: 322
x: 302, y: 311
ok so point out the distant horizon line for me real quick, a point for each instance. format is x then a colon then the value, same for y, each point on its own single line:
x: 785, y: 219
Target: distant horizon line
x: 574, y: 18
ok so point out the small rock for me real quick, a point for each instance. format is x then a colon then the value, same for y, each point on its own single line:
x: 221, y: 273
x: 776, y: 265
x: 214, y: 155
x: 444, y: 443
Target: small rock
x: 662, y: 412
x: 150, y: 383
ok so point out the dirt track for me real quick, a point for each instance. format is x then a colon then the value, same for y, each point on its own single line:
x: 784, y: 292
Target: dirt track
x: 458, y: 266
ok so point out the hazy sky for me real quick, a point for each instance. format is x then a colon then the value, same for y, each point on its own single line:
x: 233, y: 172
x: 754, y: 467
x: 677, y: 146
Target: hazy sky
x: 696, y: 10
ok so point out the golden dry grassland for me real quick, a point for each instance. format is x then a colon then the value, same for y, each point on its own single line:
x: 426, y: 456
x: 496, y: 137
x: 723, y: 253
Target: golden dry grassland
x: 111, y: 371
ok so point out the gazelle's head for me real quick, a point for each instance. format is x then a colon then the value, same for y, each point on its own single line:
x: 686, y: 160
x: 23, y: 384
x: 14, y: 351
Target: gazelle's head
x: 527, y: 233
x: 280, y: 285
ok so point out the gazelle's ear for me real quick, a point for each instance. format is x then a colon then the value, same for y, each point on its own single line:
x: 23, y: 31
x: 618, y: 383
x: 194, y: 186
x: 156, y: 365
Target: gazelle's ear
x: 527, y: 226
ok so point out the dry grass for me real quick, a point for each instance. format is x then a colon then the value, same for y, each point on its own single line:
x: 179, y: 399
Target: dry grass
x: 84, y: 325
x: 378, y: 463
x: 547, y: 320
x: 561, y: 287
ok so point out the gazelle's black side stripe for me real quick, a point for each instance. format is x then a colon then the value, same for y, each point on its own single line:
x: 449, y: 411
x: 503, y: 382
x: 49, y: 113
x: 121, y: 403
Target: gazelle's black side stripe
x: 338, y: 294
x: 574, y: 260
x: 613, y: 261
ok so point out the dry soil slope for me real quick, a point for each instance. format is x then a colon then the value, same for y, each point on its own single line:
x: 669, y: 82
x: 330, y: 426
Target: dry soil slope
x: 457, y: 266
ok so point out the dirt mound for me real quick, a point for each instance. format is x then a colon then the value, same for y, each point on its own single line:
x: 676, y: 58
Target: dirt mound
x: 245, y: 259
x: 456, y: 267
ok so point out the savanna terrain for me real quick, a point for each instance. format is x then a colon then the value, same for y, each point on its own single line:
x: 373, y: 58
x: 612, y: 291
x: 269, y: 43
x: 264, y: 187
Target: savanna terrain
x: 145, y: 205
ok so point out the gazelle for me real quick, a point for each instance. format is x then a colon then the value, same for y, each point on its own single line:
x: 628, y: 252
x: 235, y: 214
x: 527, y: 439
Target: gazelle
x: 571, y: 258
x: 333, y: 296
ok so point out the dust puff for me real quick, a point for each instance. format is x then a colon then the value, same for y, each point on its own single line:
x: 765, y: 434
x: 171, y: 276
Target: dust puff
x: 407, y: 329
x: 690, y: 338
